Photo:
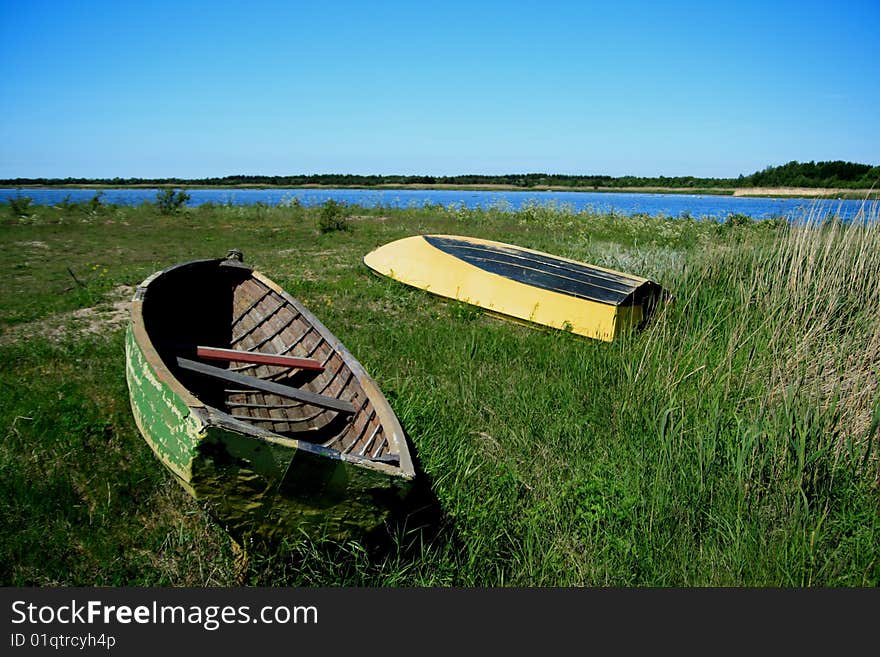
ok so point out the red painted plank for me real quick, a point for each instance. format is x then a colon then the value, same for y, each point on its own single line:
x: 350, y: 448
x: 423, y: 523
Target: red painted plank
x: 305, y: 396
x: 235, y: 355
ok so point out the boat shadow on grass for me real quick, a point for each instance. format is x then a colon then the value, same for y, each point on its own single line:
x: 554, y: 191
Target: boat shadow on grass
x: 416, y: 525
x: 418, y: 514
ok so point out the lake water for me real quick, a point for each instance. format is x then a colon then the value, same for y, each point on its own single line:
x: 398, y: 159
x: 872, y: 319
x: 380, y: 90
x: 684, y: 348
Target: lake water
x: 696, y: 205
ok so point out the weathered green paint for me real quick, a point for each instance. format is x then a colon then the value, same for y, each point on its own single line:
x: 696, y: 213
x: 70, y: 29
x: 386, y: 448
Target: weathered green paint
x: 164, y: 419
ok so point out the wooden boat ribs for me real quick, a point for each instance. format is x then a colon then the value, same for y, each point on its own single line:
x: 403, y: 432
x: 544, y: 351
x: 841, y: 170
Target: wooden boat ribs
x: 262, y: 321
x: 267, y: 321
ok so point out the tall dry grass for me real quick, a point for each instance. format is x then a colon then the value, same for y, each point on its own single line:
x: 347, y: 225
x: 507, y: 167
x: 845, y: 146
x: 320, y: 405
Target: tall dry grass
x: 784, y: 335
x: 823, y: 284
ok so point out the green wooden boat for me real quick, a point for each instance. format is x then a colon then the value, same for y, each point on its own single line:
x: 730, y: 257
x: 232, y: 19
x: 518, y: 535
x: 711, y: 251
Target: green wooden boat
x: 257, y: 409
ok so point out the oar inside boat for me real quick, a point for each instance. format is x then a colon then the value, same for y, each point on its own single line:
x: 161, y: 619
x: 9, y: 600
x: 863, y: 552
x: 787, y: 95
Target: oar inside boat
x: 322, y: 401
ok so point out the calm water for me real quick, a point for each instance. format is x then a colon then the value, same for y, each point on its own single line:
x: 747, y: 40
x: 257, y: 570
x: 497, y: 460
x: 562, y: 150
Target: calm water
x: 696, y: 205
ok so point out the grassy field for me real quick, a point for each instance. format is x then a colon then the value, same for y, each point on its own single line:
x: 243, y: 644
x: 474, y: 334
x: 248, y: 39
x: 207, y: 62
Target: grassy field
x: 734, y: 441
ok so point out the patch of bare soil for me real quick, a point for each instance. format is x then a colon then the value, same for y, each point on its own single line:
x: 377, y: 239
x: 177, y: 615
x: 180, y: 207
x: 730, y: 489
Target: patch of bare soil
x: 102, y: 319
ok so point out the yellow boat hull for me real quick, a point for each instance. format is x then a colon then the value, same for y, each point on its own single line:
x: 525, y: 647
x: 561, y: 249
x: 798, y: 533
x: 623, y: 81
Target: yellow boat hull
x: 519, y: 284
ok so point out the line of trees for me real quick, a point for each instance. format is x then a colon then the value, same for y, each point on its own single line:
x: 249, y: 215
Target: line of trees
x: 818, y: 174
x: 794, y: 174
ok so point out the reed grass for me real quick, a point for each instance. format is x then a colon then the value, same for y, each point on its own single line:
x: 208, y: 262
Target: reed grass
x: 733, y: 441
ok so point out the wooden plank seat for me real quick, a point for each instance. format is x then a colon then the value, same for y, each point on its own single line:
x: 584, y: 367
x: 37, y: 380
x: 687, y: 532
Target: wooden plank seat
x: 257, y: 358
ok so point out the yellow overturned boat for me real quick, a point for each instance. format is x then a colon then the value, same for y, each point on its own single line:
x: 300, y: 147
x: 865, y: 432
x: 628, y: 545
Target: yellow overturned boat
x: 520, y: 284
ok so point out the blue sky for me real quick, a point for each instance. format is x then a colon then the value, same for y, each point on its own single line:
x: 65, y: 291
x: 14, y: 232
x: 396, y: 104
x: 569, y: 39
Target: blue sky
x: 644, y: 88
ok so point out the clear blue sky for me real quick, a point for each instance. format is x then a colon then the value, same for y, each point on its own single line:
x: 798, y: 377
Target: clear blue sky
x: 194, y: 89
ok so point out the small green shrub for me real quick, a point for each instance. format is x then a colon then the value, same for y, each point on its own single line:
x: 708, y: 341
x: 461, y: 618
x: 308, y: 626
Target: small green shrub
x: 333, y: 217
x: 94, y: 204
x: 288, y: 201
x: 20, y: 206
x: 171, y: 201
x: 738, y: 219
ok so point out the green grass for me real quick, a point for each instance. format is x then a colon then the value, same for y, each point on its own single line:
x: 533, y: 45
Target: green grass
x: 732, y: 442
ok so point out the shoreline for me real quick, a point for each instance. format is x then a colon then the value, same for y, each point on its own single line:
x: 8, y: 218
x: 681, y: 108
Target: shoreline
x: 745, y: 192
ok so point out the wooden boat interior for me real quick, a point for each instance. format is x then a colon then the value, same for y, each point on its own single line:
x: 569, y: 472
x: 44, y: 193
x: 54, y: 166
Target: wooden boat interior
x: 223, y: 305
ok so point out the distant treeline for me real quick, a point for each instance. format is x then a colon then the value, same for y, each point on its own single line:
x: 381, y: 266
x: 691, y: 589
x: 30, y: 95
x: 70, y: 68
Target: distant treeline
x: 817, y: 174
x: 794, y: 174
